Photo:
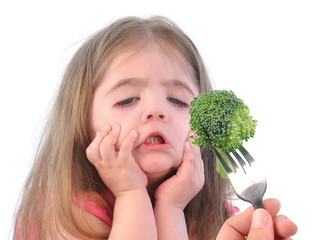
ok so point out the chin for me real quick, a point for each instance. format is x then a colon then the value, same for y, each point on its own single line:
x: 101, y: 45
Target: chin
x: 155, y: 179
x: 157, y: 165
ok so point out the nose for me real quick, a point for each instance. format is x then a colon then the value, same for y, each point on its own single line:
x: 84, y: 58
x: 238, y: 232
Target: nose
x: 154, y: 112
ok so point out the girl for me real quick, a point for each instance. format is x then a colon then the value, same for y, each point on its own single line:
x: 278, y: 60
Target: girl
x: 116, y: 158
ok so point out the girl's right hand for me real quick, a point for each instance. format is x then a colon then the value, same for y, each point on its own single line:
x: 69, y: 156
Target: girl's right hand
x: 117, y: 168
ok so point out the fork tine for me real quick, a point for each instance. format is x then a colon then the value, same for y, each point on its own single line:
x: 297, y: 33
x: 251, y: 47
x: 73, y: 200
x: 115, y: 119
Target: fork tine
x: 240, y: 160
x: 246, y: 154
x: 227, y: 169
x: 232, y: 161
x: 249, y: 184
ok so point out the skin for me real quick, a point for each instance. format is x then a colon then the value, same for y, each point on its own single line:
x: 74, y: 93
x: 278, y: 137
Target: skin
x: 144, y: 92
x: 272, y: 226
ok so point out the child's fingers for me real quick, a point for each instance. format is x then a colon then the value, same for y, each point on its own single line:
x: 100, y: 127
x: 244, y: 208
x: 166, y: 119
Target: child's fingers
x: 198, y: 165
x: 188, y: 158
x: 195, y: 151
x: 108, y: 146
x: 93, y: 152
x: 127, y: 146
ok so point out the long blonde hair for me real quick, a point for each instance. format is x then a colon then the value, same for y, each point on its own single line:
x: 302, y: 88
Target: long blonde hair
x: 61, y: 167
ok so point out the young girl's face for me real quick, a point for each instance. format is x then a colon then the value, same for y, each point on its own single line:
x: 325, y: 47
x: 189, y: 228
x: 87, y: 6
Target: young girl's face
x: 147, y: 91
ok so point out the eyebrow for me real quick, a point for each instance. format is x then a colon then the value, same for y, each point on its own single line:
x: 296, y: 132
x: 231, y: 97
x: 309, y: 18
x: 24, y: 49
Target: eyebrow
x: 139, y: 82
x: 127, y: 81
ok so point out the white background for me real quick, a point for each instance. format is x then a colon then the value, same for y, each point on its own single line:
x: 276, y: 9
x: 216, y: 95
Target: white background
x: 272, y: 54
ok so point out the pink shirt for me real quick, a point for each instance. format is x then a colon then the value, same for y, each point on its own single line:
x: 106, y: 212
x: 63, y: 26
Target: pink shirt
x: 101, y: 206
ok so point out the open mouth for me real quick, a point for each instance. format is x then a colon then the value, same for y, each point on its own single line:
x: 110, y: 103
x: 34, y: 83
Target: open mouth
x: 156, y: 139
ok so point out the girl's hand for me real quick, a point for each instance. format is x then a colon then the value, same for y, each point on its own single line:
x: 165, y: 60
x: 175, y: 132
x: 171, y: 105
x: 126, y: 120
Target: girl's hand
x: 259, y: 225
x: 117, y: 168
x: 178, y: 190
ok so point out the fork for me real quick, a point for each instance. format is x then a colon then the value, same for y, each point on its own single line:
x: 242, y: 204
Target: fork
x: 245, y: 175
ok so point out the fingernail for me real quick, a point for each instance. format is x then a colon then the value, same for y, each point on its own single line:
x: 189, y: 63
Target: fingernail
x: 133, y: 133
x: 105, y: 128
x: 259, y: 219
x: 114, y: 127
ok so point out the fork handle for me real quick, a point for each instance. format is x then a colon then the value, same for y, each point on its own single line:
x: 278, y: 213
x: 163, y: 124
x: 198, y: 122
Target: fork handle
x: 258, y: 204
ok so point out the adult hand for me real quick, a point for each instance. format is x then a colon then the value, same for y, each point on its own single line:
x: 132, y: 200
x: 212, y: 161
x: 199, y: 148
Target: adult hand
x: 117, y: 168
x: 262, y: 224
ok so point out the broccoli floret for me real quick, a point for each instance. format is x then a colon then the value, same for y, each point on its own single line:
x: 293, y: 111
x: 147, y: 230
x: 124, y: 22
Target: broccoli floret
x: 221, y: 120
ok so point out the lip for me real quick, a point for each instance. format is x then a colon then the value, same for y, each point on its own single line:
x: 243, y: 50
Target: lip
x: 145, y: 146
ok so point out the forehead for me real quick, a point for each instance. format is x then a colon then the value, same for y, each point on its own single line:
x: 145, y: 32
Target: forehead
x: 150, y: 62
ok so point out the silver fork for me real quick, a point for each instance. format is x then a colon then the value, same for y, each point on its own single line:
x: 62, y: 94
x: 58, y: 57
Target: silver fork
x: 245, y: 175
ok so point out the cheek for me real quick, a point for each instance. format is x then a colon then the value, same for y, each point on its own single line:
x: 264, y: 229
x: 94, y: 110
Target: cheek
x: 184, y: 126
x: 183, y: 132
x: 122, y: 136
x: 98, y: 117
x: 125, y: 128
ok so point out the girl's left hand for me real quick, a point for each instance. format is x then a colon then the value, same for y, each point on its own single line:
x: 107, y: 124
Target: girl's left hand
x: 179, y: 190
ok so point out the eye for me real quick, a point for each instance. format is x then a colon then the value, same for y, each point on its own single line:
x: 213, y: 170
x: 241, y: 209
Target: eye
x: 179, y: 103
x: 127, y: 102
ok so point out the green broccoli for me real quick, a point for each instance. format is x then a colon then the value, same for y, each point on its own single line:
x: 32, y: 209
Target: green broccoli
x: 221, y: 120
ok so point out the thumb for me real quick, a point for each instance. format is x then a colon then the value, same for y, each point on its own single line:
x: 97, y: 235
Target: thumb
x: 261, y: 226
